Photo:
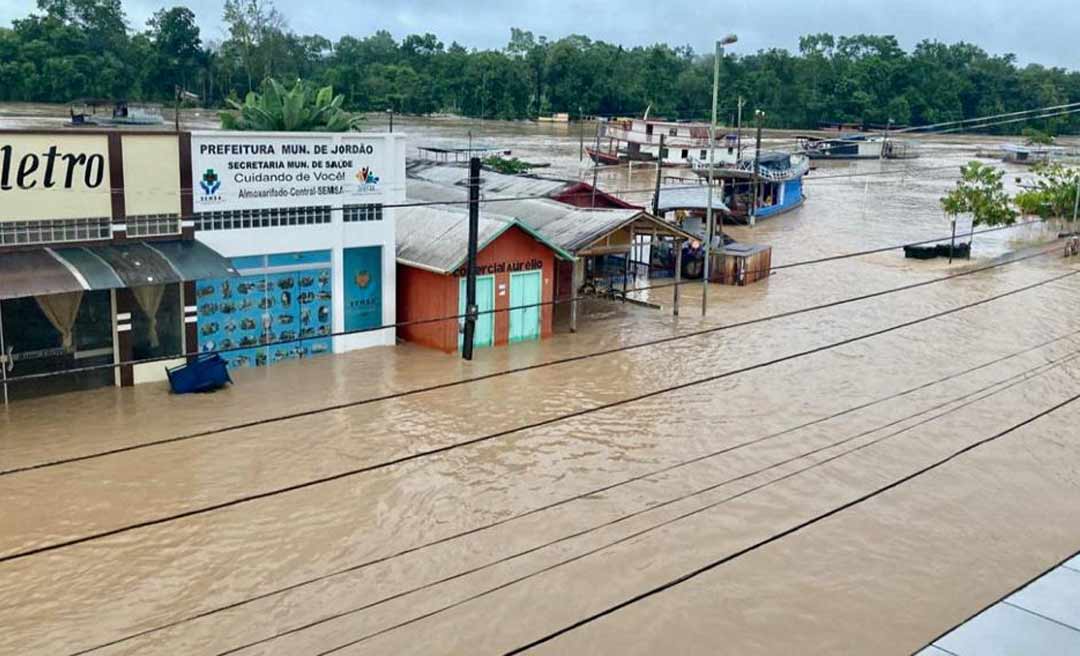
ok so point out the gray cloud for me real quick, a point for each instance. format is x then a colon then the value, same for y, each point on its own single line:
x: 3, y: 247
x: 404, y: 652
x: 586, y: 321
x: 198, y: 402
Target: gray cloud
x: 1042, y: 31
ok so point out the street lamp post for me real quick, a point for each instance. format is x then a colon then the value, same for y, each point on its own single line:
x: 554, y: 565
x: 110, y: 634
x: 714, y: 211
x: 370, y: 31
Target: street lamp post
x: 727, y: 40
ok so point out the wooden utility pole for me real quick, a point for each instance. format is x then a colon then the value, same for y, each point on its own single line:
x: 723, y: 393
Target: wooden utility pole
x: 470, y: 261
x: 659, y: 174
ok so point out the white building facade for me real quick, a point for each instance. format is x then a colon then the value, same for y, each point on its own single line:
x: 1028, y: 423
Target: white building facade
x: 304, y: 219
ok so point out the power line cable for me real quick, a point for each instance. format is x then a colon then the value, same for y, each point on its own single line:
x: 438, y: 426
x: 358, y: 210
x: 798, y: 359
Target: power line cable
x: 577, y: 497
x: 237, y: 501
x: 651, y: 507
x: 1023, y: 377
x: 506, y: 372
x: 182, y: 191
x: 794, y: 529
x: 401, y: 324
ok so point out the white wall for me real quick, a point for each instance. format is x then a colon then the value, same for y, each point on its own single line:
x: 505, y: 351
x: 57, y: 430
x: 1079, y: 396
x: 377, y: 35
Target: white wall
x: 334, y: 236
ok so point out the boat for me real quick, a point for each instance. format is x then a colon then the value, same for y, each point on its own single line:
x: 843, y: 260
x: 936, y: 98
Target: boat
x: 1031, y: 154
x: 857, y: 146
x: 846, y: 146
x: 779, y: 185
x: 638, y: 140
x: 559, y: 117
x: 603, y: 157
x: 122, y: 114
x: 901, y: 149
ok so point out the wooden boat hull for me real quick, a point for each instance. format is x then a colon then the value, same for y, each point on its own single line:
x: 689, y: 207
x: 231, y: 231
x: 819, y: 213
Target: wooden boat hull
x: 601, y: 157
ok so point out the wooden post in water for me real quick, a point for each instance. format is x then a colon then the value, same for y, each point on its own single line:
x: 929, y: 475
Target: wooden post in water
x: 470, y: 262
x: 952, y: 243
x: 573, y: 295
x: 678, y: 276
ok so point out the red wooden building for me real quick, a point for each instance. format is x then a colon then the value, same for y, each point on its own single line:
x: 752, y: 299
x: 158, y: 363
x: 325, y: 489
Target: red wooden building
x: 516, y: 268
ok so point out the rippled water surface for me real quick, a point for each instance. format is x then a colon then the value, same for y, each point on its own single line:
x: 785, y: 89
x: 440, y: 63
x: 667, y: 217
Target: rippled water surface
x: 258, y: 521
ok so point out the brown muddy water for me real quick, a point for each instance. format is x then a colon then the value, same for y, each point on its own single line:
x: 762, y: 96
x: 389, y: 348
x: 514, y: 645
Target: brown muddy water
x: 133, y: 522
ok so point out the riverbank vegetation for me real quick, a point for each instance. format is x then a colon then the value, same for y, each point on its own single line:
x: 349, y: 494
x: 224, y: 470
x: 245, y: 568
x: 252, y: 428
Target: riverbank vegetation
x: 76, y: 48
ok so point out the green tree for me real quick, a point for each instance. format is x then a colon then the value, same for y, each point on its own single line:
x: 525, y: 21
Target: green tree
x: 980, y: 193
x: 255, y: 29
x: 177, y: 48
x: 1054, y: 195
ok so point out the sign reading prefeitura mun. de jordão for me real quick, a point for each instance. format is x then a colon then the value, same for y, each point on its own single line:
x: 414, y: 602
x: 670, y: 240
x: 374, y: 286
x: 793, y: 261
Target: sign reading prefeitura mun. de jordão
x: 236, y: 170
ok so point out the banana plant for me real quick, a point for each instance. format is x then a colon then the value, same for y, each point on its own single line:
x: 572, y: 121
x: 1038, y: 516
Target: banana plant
x: 302, y: 108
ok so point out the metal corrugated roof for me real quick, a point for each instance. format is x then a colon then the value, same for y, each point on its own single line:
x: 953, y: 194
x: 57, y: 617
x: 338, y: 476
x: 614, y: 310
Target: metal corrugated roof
x: 436, y: 238
x: 564, y: 226
x: 490, y: 181
x: 684, y: 197
x: 571, y: 228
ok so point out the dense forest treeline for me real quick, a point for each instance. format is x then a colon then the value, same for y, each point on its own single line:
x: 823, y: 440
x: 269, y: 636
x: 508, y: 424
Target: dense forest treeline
x: 68, y: 49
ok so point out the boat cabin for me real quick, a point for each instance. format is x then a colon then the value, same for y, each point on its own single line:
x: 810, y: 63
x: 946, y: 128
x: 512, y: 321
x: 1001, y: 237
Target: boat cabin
x: 1030, y: 154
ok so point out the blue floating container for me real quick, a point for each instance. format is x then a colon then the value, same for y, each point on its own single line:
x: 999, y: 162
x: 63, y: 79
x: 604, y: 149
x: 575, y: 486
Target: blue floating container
x: 205, y: 373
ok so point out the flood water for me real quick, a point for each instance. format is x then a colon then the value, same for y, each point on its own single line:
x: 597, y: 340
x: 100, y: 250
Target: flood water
x: 482, y: 516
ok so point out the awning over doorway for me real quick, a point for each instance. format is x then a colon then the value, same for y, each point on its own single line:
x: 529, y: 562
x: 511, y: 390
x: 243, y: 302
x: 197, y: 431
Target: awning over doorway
x: 54, y: 270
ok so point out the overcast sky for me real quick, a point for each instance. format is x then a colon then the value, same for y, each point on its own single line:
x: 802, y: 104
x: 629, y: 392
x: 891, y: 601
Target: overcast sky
x: 1042, y: 31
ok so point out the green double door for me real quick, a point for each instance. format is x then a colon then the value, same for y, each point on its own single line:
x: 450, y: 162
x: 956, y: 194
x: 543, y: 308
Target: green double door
x: 525, y: 290
x: 485, y: 303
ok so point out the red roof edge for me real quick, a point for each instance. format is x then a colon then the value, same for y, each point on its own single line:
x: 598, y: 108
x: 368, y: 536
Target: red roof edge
x: 581, y: 195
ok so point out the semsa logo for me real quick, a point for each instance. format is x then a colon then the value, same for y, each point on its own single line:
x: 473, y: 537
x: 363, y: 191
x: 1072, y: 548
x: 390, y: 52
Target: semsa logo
x: 49, y: 168
x: 210, y: 184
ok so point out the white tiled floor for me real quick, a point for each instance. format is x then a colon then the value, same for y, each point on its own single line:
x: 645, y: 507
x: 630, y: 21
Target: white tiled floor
x: 1041, y: 619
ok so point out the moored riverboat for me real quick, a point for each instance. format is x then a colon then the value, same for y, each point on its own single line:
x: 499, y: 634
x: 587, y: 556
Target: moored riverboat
x: 777, y: 187
x: 84, y: 114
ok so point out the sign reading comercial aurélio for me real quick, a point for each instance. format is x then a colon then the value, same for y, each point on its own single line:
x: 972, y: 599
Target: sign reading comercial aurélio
x: 49, y: 176
x: 236, y: 170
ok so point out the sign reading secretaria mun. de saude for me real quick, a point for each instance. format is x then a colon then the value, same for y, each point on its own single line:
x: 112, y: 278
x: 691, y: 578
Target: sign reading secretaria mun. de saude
x: 250, y: 170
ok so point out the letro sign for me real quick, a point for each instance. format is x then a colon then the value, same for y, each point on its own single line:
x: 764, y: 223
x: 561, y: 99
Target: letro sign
x: 45, y: 176
x: 243, y: 171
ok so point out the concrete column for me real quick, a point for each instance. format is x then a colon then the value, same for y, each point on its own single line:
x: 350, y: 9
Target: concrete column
x: 125, y: 304
x: 191, y: 319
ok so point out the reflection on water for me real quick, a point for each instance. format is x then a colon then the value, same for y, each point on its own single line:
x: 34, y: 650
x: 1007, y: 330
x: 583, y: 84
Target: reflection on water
x: 182, y: 567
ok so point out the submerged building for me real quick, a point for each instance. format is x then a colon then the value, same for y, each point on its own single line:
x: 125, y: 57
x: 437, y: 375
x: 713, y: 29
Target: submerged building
x: 124, y: 252
x: 515, y: 282
x: 533, y: 218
